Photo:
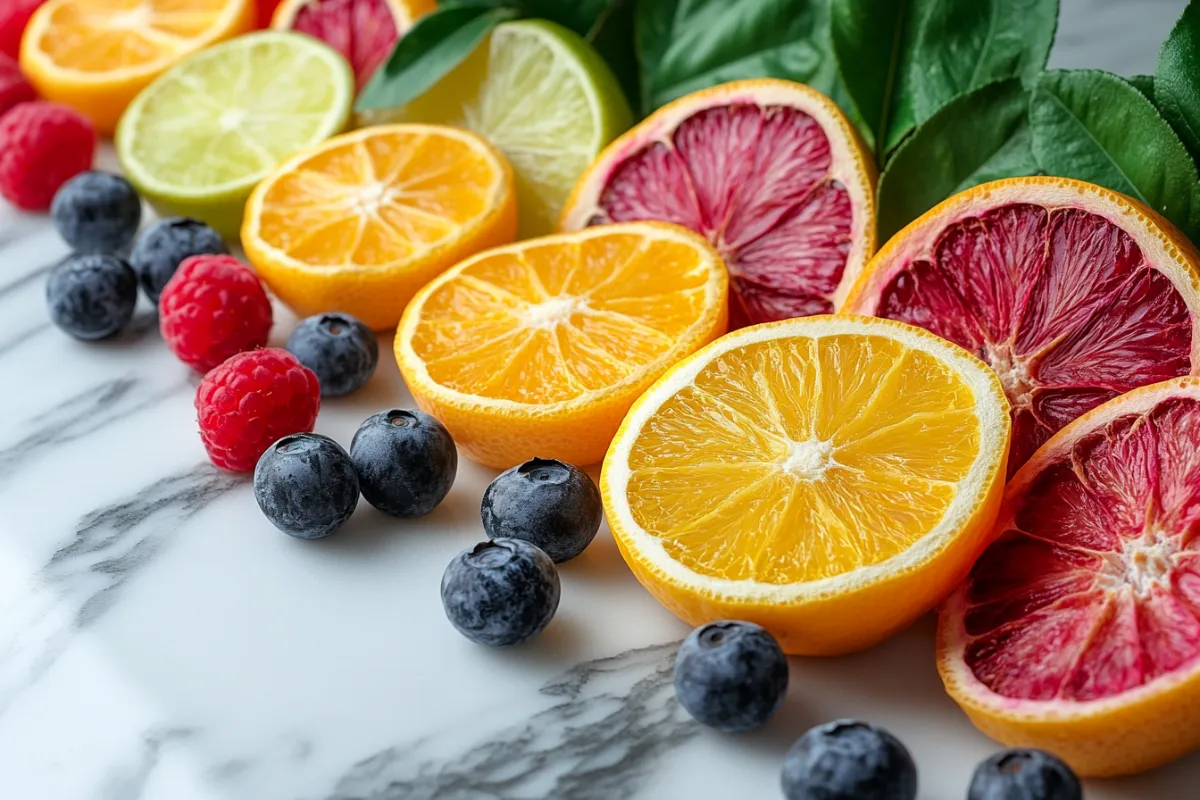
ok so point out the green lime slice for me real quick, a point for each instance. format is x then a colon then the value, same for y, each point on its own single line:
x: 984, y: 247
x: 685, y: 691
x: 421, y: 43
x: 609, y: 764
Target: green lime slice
x: 544, y: 97
x: 197, y: 140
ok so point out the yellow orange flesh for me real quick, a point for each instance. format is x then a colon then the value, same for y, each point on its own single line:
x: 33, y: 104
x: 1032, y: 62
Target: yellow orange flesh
x: 830, y: 478
x: 539, y: 348
x: 360, y: 222
x: 96, y: 55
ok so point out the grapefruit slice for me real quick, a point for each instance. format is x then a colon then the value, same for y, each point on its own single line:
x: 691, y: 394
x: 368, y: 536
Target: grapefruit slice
x: 1074, y: 294
x: 769, y: 170
x: 364, y: 31
x: 1078, y: 630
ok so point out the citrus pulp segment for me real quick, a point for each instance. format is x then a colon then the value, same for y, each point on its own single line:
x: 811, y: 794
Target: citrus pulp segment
x: 364, y: 31
x: 829, y: 478
x: 1073, y: 293
x: 197, y: 140
x: 770, y: 171
x: 96, y: 55
x: 539, y: 348
x: 360, y: 222
x: 544, y: 97
x: 1078, y: 630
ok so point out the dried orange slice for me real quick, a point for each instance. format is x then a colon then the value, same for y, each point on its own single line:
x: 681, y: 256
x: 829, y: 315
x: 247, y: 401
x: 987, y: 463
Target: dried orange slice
x: 361, y: 221
x: 829, y: 478
x: 539, y: 348
x: 1071, y: 292
x: 96, y: 55
x: 1078, y: 630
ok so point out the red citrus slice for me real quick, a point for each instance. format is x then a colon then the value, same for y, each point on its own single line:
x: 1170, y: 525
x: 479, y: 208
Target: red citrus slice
x: 769, y: 170
x: 364, y: 31
x: 1078, y: 630
x: 1073, y: 293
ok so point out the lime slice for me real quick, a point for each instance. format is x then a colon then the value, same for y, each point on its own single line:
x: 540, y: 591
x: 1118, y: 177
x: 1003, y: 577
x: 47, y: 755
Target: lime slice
x: 544, y: 98
x: 197, y: 140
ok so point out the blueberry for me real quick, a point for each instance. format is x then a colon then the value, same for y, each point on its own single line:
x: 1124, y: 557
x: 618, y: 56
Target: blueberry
x: 406, y: 462
x: 1024, y: 775
x: 91, y: 295
x: 849, y: 760
x: 97, y: 212
x: 163, y: 246
x: 306, y: 485
x: 731, y: 676
x: 339, y: 348
x: 500, y: 592
x: 554, y: 505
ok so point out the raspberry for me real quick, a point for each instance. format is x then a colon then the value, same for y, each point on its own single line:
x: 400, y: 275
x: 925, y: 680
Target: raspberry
x: 250, y: 402
x: 42, y: 146
x: 13, y: 86
x: 213, y: 307
x: 14, y: 16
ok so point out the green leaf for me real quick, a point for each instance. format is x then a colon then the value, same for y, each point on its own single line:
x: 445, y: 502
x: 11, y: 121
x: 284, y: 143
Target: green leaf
x: 1177, y: 79
x: 1144, y: 84
x: 685, y: 45
x: 902, y: 60
x: 872, y: 42
x: 1094, y: 126
x: 436, y: 44
x: 578, y: 15
x: 612, y: 34
x: 962, y: 46
x: 977, y: 137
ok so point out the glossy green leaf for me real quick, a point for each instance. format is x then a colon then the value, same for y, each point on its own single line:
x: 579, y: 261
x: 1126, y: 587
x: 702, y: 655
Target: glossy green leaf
x: 1177, y: 79
x: 436, y: 44
x: 1096, y: 127
x: 977, y: 137
x: 902, y: 60
x: 1144, y: 84
x: 964, y: 45
x: 872, y: 43
x: 685, y: 45
x: 612, y: 34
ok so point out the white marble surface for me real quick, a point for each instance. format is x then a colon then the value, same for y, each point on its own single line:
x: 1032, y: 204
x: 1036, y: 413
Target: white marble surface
x: 159, y: 640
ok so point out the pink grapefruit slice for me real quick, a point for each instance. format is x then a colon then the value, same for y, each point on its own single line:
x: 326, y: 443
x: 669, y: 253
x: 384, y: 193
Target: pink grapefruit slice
x: 364, y: 31
x: 1074, y: 294
x: 1078, y: 630
x: 770, y: 171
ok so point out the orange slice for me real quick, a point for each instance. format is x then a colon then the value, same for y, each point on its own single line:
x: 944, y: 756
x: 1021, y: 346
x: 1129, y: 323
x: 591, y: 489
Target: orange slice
x: 539, y: 348
x: 1078, y: 630
x: 96, y: 55
x: 829, y: 478
x: 360, y: 222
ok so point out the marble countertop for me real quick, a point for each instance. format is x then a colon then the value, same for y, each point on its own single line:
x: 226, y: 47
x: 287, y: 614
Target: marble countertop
x: 159, y: 640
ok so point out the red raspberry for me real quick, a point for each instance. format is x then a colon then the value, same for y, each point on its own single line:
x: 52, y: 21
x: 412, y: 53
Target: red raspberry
x: 14, y: 16
x: 42, y: 146
x: 252, y: 401
x: 13, y: 86
x: 213, y: 307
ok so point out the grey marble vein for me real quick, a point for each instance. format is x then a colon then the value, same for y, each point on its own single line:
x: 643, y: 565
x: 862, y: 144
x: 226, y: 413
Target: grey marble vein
x: 130, y: 783
x: 614, y: 717
x: 26, y: 279
x: 81, y: 580
x: 80, y: 415
x: 27, y: 336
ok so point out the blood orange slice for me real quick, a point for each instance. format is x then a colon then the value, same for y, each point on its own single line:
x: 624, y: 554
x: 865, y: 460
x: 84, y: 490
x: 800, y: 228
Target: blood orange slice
x: 769, y: 170
x: 1078, y: 630
x: 364, y: 31
x: 1073, y: 293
